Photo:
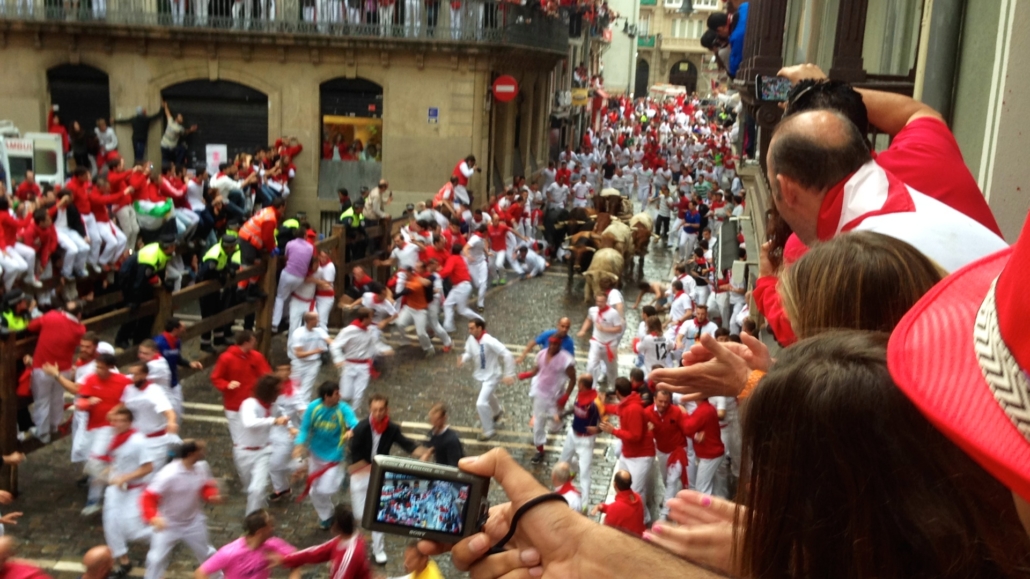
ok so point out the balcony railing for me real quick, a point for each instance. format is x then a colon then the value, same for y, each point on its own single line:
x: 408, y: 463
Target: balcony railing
x: 685, y: 44
x: 476, y: 21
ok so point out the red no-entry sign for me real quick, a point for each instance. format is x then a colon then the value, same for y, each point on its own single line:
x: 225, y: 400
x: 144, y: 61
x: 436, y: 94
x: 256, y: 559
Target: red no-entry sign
x: 506, y: 88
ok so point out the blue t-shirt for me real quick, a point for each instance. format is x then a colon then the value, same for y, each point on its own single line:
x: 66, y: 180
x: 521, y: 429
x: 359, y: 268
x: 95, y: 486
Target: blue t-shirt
x: 322, y: 429
x: 737, y: 39
x: 566, y: 344
x: 692, y: 218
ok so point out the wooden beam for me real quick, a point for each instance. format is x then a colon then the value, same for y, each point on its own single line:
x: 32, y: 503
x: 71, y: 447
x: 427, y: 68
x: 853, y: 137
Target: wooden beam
x: 847, y: 44
x: 9, y: 412
x: 220, y: 319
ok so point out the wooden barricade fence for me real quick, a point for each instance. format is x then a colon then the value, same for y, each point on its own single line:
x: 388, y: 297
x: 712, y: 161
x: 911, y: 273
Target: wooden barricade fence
x: 164, y: 305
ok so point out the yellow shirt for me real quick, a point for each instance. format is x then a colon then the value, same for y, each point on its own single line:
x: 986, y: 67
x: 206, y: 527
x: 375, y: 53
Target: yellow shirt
x: 430, y: 572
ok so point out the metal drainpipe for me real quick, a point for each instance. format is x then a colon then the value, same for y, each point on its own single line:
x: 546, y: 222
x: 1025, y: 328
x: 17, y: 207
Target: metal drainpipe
x: 944, y: 44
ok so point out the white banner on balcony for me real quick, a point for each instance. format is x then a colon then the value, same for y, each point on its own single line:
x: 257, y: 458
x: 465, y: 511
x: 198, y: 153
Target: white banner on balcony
x: 216, y: 155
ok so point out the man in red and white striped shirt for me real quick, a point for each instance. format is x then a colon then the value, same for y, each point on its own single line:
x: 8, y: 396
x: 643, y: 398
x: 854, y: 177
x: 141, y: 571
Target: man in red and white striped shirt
x: 345, y: 553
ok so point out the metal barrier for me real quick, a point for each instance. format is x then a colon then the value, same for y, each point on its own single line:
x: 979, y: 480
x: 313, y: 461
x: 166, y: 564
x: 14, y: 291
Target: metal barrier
x: 475, y: 21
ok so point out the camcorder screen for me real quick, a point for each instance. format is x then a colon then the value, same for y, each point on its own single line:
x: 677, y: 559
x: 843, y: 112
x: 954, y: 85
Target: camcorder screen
x: 422, y: 503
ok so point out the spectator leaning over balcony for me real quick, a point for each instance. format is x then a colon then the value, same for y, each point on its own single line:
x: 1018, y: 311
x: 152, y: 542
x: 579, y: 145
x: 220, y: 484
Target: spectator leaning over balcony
x: 456, y: 19
x: 140, y: 123
x: 108, y: 142
x: 413, y: 17
x: 171, y: 149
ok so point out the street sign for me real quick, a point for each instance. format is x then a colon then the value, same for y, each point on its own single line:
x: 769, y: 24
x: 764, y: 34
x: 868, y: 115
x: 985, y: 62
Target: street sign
x: 505, y: 88
x: 434, y: 115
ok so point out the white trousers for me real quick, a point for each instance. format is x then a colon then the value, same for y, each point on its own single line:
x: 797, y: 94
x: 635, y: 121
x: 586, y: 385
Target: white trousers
x: 193, y: 533
x: 421, y: 319
x: 706, y: 469
x: 598, y: 364
x: 158, y: 449
x: 413, y: 17
x: 385, y: 20
x: 353, y: 383
x: 174, y: 395
x: 76, y: 251
x: 691, y: 465
x: 127, y: 215
x: 95, y: 241
x: 29, y: 255
x: 498, y: 265
x: 14, y: 267
x: 687, y: 243
x: 358, y: 495
x: 545, y: 417
x: 324, y: 306
x: 288, y: 283
x: 235, y: 425
x: 670, y: 477
x: 458, y: 299
x: 487, y: 405
x: 480, y: 279
x: 48, y: 403
x: 456, y: 21
x: 122, y: 519
x: 281, y: 463
x: 701, y: 294
x: 297, y: 309
x: 80, y: 438
x: 640, y: 470
x: 304, y: 373
x: 253, y: 467
x: 582, y: 448
x: 324, y: 487
x: 114, y: 242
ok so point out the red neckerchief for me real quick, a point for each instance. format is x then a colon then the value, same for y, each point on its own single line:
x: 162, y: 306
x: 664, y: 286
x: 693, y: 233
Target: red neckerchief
x: 379, y: 427
x: 173, y: 342
x: 363, y: 281
x: 677, y: 294
x: 118, y: 440
x: 481, y: 336
x: 585, y: 397
x: 898, y: 201
x: 219, y: 174
x: 601, y: 311
x: 287, y: 389
x: 377, y: 299
x: 267, y: 407
x: 357, y: 323
x: 143, y: 387
x: 567, y: 488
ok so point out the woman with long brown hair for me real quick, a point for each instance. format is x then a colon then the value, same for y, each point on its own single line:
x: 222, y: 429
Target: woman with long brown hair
x: 860, y: 280
x: 843, y: 477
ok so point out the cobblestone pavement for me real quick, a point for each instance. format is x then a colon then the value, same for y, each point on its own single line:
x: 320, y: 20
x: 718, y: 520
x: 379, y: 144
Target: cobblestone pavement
x: 53, y: 533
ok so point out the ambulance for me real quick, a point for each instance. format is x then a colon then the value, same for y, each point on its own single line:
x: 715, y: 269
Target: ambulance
x: 41, y: 153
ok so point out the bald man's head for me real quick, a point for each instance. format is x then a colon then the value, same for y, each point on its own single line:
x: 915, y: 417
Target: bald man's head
x: 98, y: 562
x: 817, y: 149
x: 809, y: 154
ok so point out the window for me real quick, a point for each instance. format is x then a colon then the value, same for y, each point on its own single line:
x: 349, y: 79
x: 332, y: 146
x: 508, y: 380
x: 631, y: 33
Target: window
x: 644, y: 26
x: 687, y: 28
x: 697, y: 4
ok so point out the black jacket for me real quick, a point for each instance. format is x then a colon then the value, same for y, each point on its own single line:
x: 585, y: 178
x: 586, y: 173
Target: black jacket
x: 361, y: 441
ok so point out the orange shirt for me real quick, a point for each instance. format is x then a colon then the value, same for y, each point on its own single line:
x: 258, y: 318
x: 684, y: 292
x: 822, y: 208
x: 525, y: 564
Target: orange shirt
x: 416, y: 296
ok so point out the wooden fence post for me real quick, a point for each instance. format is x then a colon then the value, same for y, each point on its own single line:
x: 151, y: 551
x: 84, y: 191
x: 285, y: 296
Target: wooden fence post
x: 9, y: 410
x: 264, y: 316
x: 164, y: 310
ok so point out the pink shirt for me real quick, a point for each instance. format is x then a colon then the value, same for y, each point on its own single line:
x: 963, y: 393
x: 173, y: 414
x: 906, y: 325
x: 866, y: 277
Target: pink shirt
x: 551, y: 377
x: 238, y: 561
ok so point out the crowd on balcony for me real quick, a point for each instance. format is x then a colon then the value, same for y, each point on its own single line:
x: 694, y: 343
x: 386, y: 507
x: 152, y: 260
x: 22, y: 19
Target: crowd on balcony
x: 725, y: 35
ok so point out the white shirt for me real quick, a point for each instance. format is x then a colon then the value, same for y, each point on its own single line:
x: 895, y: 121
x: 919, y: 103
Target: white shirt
x: 557, y: 195
x: 129, y: 457
x: 551, y: 376
x: 148, y: 407
x: 223, y: 184
x: 680, y: 305
x: 487, y: 356
x: 581, y: 192
x: 108, y: 139
x: 610, y: 318
x: 195, y: 195
x: 380, y: 310
x: 159, y: 373
x: 615, y: 297
x: 534, y: 263
x: 574, y: 499
x: 406, y: 256
x: 307, y: 340
x: 354, y: 343
x: 691, y: 332
x: 476, y: 247
x: 655, y: 350
x: 257, y: 424
x: 179, y: 489
x: 549, y: 176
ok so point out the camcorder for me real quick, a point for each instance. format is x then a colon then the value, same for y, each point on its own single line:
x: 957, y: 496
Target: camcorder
x: 424, y: 500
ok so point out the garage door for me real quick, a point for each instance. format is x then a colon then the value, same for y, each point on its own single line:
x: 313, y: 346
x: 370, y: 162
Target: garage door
x: 82, y: 93
x: 226, y: 113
